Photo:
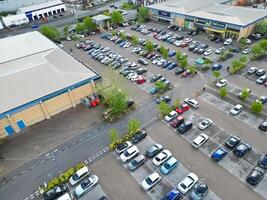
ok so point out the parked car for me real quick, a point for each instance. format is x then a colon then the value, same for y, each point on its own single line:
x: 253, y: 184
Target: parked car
x: 129, y: 154
x: 216, y: 67
x: 252, y: 70
x: 219, y: 154
x: 204, y: 124
x: 169, y: 165
x: 186, y: 73
x: 165, y: 99
x: 208, y: 52
x: 262, y: 99
x: 236, y: 109
x: 140, y: 71
x: 140, y: 80
x: 122, y: 147
x: 55, y: 192
x: 86, y: 185
x: 262, y: 79
x: 263, y: 125
x: 232, y: 141
x: 142, y: 61
x: 153, y: 90
x: 260, y: 72
x: 81, y: 173
x: 140, y: 135
x: 242, y: 149
x: 255, y: 176
x: 182, y: 108
x: 228, y: 41
x: 246, y: 51
x: 221, y: 83
x: 177, y: 122
x: 161, y: 157
x: 155, y: 78
x: 153, y: 150
x: 200, y: 140
x: 171, y: 116
x: 174, y: 194
x: 192, y: 102
x: 183, y: 128
x: 136, y: 162
x: 263, y: 162
x: 178, y: 70
x: 150, y: 182
x: 187, y: 183
x: 200, y: 191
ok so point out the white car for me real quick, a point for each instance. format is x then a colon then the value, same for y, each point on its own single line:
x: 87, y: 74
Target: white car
x: 124, y: 13
x: 61, y: 46
x: 246, y: 51
x: 68, y: 38
x: 151, y: 181
x: 220, y: 50
x: 221, y: 83
x: 134, y: 77
x: 188, y: 40
x: 252, y: 70
x: 192, y: 102
x: 228, y: 41
x: 208, y: 52
x: 128, y: 44
x: 81, y: 173
x: 248, y: 41
x: 171, y: 116
x: 86, y: 185
x: 187, y: 183
x: 129, y: 154
x: 177, y: 43
x: 106, y: 49
x: 236, y: 109
x: 200, y: 140
x: 204, y: 124
x: 131, y: 75
x: 122, y: 147
x: 161, y: 157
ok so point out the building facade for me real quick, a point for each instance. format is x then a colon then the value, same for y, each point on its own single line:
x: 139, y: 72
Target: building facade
x: 216, y: 19
x: 38, y: 80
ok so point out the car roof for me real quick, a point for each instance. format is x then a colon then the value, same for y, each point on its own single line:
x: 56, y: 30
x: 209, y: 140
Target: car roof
x: 171, y: 160
x: 154, y: 176
x: 131, y: 149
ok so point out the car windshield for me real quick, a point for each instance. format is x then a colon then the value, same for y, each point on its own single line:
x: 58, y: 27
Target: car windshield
x: 167, y: 165
x: 241, y: 147
x: 232, y: 141
x: 134, y: 163
x: 205, y: 122
x: 152, y: 149
x: 85, y: 184
x: 126, y: 153
x: 149, y: 181
x: 220, y: 151
x: 75, y: 177
x: 183, y: 186
x: 200, y: 190
x: 122, y: 146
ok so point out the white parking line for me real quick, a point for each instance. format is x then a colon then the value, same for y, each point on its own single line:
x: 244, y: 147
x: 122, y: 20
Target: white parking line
x: 32, y: 196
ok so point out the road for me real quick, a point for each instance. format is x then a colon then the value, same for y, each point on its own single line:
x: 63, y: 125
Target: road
x: 61, y: 22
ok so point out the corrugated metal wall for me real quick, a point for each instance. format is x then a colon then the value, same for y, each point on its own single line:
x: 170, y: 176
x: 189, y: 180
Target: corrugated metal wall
x: 53, y: 106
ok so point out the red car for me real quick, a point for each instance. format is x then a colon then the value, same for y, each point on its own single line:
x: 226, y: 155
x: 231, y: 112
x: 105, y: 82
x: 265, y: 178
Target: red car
x: 186, y: 73
x: 183, y: 44
x: 140, y: 80
x: 182, y: 108
x: 177, y: 122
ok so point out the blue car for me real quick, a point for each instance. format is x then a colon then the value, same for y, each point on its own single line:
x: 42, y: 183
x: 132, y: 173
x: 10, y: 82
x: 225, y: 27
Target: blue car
x: 216, y: 67
x: 219, y: 154
x: 122, y: 43
x: 171, y: 53
x: 169, y: 165
x: 166, y: 64
x: 153, y: 90
x: 242, y: 149
x: 174, y: 194
x: 172, y: 66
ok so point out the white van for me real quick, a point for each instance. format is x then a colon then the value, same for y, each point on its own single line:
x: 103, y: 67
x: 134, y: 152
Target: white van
x: 65, y: 196
x: 75, y: 178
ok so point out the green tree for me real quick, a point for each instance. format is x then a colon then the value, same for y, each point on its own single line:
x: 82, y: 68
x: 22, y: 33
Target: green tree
x: 223, y: 92
x: 164, y: 108
x: 113, y: 33
x: 243, y: 43
x: 243, y: 60
x: 256, y: 107
x: 134, y: 125
x: 134, y: 40
x: 50, y: 32
x: 165, y: 53
x: 149, y: 46
x: 192, y: 69
x: 142, y: 14
x: 261, y: 27
x: 161, y: 49
x: 183, y: 63
x: 178, y: 55
x: 257, y: 51
x: 66, y: 30
x: 79, y: 28
x: 123, y: 36
x: 113, y: 135
x: 160, y: 85
x: 176, y: 103
x: 235, y: 66
x: 116, y: 17
x: 216, y: 74
x: 244, y: 94
x: 263, y: 44
x: 88, y: 24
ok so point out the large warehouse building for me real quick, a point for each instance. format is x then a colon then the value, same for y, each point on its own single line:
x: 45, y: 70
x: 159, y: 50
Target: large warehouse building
x: 38, y: 80
x: 209, y: 15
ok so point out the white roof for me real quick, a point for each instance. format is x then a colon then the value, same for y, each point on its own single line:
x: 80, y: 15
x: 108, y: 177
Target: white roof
x: 40, y: 6
x: 213, y: 10
x: 1, y: 26
x: 31, y: 67
x: 15, y: 19
x: 100, y: 17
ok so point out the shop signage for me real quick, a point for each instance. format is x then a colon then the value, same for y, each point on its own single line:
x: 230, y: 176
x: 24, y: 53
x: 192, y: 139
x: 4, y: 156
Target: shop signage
x: 165, y: 14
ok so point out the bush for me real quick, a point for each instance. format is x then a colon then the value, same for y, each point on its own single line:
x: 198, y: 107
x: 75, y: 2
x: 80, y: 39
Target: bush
x: 256, y: 107
x: 205, y: 68
x: 128, y: 6
x: 223, y: 92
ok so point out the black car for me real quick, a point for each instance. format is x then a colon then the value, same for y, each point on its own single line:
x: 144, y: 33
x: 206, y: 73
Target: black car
x: 234, y: 49
x: 140, y: 71
x: 153, y: 150
x: 190, y: 33
x: 263, y: 161
x: 166, y: 99
x: 139, y: 136
x: 186, y: 126
x: 200, y: 191
x: 203, y: 46
x: 232, y: 141
x: 255, y: 176
x: 191, y: 47
x: 263, y: 125
x: 242, y: 149
x: 195, y: 32
x: 179, y: 37
x: 178, y: 70
x: 55, y: 192
x: 218, y: 40
x: 137, y: 162
x: 155, y: 78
